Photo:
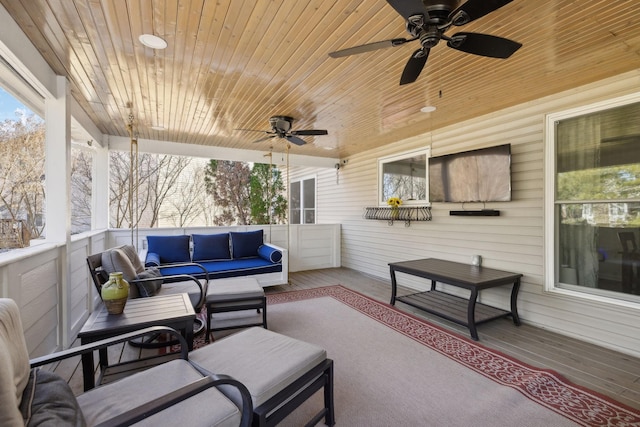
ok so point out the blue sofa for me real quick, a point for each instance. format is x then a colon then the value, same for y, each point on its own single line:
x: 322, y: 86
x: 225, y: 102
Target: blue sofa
x: 222, y: 255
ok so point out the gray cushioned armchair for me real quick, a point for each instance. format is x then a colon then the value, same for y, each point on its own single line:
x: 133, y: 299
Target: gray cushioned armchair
x: 173, y: 393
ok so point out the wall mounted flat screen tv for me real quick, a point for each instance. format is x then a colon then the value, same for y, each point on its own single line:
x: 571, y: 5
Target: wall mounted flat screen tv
x: 482, y: 175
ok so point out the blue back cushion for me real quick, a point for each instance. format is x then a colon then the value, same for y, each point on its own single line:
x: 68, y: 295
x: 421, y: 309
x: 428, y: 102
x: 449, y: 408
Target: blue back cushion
x: 170, y: 249
x: 246, y: 244
x: 209, y: 247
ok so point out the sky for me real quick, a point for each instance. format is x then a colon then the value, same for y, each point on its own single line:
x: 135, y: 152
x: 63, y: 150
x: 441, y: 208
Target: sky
x: 9, y: 105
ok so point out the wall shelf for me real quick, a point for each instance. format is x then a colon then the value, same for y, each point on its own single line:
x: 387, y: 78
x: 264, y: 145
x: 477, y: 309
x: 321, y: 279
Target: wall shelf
x: 403, y: 213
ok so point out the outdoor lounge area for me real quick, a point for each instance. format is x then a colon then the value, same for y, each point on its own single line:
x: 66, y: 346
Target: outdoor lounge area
x: 589, y: 366
x: 394, y: 205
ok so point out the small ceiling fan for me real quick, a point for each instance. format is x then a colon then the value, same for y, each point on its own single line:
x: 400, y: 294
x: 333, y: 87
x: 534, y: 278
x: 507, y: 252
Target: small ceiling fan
x: 428, y: 20
x: 281, y: 128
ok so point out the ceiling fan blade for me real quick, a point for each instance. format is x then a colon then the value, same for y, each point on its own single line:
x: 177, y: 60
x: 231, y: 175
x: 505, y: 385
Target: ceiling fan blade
x: 264, y: 139
x: 295, y: 140
x: 484, y: 45
x: 368, y: 47
x: 310, y: 132
x: 407, y: 8
x: 414, y: 66
x: 474, y: 9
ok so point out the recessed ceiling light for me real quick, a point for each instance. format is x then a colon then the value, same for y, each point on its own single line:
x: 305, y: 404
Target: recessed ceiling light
x: 428, y: 109
x: 152, y: 41
x: 160, y: 128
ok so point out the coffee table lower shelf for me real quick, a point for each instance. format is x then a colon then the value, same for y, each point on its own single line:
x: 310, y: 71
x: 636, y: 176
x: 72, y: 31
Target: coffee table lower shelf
x: 452, y: 307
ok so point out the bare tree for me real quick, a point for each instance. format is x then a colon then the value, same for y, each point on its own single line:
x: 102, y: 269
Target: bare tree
x: 188, y: 205
x: 22, y: 191
x: 163, y: 181
x: 81, y: 179
x: 157, y: 179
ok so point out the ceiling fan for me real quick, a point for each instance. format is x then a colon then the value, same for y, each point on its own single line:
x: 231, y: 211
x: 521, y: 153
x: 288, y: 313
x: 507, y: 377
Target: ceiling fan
x: 281, y: 128
x: 428, y: 20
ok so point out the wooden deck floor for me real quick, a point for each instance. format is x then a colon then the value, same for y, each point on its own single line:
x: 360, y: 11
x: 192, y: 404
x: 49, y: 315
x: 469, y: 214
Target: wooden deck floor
x: 608, y: 372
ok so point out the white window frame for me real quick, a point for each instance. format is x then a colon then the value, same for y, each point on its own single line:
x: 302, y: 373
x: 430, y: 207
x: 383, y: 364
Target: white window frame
x: 551, y: 227
x: 301, y: 180
x: 426, y: 151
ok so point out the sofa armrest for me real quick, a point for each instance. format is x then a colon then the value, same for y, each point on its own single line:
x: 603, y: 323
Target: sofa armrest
x: 137, y: 414
x: 103, y: 344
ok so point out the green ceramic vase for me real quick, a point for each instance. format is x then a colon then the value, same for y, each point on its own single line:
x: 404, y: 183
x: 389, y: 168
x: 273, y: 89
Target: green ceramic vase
x: 115, y: 293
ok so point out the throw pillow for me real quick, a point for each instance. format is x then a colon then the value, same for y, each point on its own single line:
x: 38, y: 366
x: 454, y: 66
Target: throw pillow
x: 116, y: 260
x: 210, y: 247
x: 149, y: 288
x: 131, y: 253
x: 270, y: 254
x: 48, y: 401
x: 245, y: 244
x: 170, y: 249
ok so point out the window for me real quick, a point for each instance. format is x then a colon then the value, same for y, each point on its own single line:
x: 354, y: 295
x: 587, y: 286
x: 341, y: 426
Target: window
x: 303, y: 201
x: 22, y: 178
x: 596, y: 199
x: 404, y: 176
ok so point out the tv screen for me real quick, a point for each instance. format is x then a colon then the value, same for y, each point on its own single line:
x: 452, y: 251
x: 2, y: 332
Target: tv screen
x: 482, y: 175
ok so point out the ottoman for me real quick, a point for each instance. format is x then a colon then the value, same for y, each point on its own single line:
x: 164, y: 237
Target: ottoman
x: 279, y: 372
x: 235, y: 294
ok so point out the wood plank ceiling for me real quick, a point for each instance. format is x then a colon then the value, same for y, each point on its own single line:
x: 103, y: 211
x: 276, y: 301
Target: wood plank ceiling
x: 233, y: 64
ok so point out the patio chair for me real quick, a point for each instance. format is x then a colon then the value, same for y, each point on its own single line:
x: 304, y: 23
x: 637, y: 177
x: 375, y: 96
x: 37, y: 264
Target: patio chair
x: 173, y: 393
x: 147, y: 282
x: 266, y: 377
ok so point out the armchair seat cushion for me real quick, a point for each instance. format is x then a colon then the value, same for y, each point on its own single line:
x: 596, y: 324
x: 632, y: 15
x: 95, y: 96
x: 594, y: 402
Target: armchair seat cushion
x: 284, y: 359
x: 208, y: 408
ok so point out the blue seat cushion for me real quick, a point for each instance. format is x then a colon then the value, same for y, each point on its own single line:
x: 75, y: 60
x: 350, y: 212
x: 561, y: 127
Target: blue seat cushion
x: 170, y: 249
x: 209, y: 247
x: 229, y: 268
x: 245, y: 244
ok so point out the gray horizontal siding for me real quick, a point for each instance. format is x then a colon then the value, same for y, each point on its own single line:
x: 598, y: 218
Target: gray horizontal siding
x: 514, y: 241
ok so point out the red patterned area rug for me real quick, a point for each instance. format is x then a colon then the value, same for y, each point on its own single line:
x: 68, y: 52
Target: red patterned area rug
x: 407, y: 377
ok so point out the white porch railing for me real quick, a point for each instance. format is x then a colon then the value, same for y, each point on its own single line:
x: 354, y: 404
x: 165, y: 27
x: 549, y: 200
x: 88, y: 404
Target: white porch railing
x: 51, y: 283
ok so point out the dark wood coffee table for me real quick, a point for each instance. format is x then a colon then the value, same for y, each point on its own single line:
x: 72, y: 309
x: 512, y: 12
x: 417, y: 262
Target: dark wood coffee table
x: 466, y: 312
x: 175, y: 311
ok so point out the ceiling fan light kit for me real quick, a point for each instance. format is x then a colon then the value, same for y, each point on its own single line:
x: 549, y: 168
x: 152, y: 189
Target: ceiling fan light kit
x: 428, y: 20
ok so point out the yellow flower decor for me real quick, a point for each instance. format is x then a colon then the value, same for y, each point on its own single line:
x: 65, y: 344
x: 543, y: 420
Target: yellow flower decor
x: 394, y: 202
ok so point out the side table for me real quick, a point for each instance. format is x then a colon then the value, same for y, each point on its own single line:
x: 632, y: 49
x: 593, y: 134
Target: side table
x: 175, y: 311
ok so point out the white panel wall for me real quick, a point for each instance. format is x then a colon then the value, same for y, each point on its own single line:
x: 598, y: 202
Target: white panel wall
x: 314, y: 246
x: 513, y: 241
